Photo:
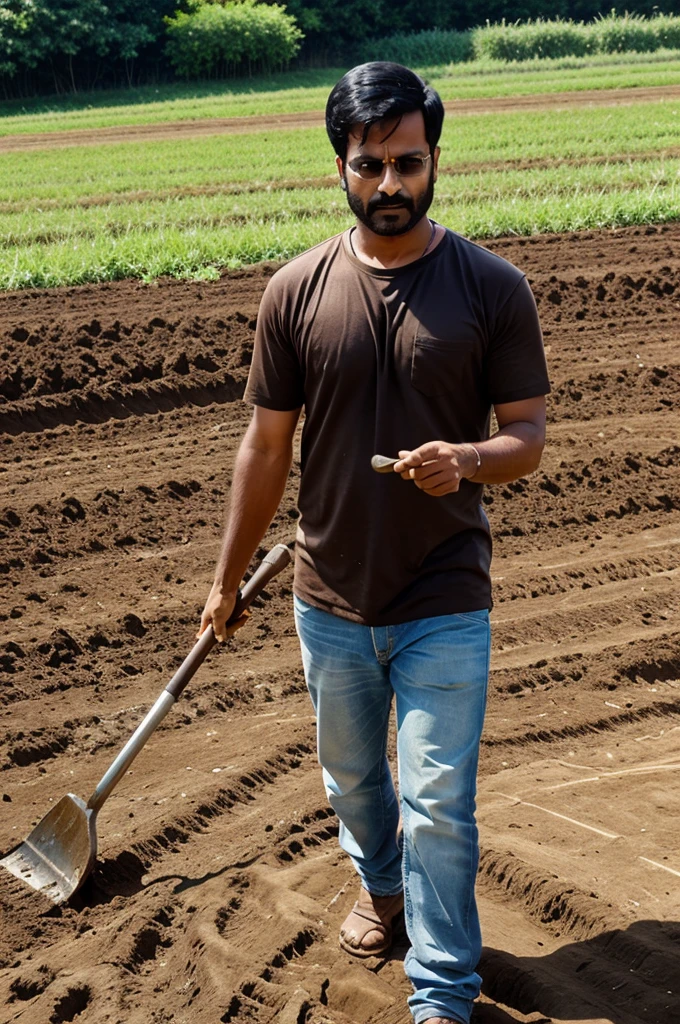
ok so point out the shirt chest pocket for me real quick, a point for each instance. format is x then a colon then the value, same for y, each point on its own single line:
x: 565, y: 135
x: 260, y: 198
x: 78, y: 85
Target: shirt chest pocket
x: 441, y: 367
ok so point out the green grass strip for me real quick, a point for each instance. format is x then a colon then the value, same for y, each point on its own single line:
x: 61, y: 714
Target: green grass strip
x: 72, y: 175
x: 479, y: 206
x: 234, y: 213
x: 192, y: 207
x: 304, y: 91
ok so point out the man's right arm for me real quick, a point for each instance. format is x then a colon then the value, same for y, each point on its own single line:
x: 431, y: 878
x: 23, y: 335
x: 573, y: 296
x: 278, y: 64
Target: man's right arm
x: 260, y: 474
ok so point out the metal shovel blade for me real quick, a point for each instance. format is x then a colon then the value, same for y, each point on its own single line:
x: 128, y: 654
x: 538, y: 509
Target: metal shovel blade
x: 60, y: 851
x: 62, y: 848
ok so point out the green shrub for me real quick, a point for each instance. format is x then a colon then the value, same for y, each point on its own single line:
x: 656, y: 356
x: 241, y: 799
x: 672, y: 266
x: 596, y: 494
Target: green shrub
x: 630, y: 32
x: 418, y: 49
x: 619, y: 34
x: 220, y: 40
x: 611, y: 34
x: 533, y: 39
x: 667, y: 30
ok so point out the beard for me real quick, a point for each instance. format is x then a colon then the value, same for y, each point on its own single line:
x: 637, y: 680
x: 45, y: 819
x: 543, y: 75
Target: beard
x: 381, y: 203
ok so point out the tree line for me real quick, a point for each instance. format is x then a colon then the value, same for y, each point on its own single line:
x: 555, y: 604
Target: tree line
x: 69, y: 45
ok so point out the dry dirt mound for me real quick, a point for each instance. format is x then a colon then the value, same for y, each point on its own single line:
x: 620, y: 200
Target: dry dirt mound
x: 220, y: 887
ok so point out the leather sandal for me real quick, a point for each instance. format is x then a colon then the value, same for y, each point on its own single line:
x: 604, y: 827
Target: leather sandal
x: 369, y: 928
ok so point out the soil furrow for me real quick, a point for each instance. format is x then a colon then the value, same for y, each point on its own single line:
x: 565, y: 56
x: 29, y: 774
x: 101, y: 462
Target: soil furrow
x: 96, y: 404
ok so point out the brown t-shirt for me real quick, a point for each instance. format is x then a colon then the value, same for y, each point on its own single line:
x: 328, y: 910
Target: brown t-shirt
x: 384, y: 360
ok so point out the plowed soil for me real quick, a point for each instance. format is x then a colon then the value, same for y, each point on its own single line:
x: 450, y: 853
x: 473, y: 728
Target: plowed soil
x: 220, y: 888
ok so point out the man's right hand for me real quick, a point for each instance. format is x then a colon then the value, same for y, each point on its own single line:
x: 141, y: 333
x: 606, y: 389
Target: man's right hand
x: 218, y: 608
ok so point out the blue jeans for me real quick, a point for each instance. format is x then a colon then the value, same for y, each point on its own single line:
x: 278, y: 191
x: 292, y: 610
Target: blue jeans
x: 437, y: 669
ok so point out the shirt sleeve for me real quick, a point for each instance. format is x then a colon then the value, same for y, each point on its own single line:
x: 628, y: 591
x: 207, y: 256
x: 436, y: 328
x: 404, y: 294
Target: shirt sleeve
x: 276, y: 379
x: 515, y: 361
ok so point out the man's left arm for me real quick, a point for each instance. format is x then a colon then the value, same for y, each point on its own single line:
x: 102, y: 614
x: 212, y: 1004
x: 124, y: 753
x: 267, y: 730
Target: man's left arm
x: 438, y: 467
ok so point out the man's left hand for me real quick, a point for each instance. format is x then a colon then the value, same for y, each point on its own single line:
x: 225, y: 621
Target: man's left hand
x: 437, y: 467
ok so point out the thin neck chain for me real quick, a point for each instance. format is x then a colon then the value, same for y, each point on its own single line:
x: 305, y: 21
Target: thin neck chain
x: 430, y: 241
x: 425, y: 251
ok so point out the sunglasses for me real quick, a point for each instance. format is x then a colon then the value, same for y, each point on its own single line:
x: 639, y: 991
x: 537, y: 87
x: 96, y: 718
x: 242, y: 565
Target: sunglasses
x: 371, y: 167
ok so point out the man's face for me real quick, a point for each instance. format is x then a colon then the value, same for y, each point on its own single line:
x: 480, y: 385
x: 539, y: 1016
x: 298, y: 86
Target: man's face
x: 390, y: 204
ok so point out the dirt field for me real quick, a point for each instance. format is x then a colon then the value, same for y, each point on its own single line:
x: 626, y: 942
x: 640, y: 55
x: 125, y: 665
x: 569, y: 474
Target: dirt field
x: 220, y: 887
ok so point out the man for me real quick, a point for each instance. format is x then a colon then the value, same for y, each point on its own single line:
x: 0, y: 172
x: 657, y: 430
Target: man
x: 398, y: 337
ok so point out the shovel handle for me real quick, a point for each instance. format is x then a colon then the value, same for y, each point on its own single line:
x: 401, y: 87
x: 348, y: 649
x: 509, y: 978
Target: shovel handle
x: 277, y: 559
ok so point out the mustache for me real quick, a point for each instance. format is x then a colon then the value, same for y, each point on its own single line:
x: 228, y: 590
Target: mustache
x: 383, y: 202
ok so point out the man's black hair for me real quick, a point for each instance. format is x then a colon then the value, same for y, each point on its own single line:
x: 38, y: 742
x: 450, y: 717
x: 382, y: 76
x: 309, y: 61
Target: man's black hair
x: 380, y: 91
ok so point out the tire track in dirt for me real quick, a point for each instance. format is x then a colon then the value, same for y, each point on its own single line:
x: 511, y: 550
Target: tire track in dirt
x: 224, y: 903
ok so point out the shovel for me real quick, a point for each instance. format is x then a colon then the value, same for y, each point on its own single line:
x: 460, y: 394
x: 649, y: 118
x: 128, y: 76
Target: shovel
x: 61, y: 850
